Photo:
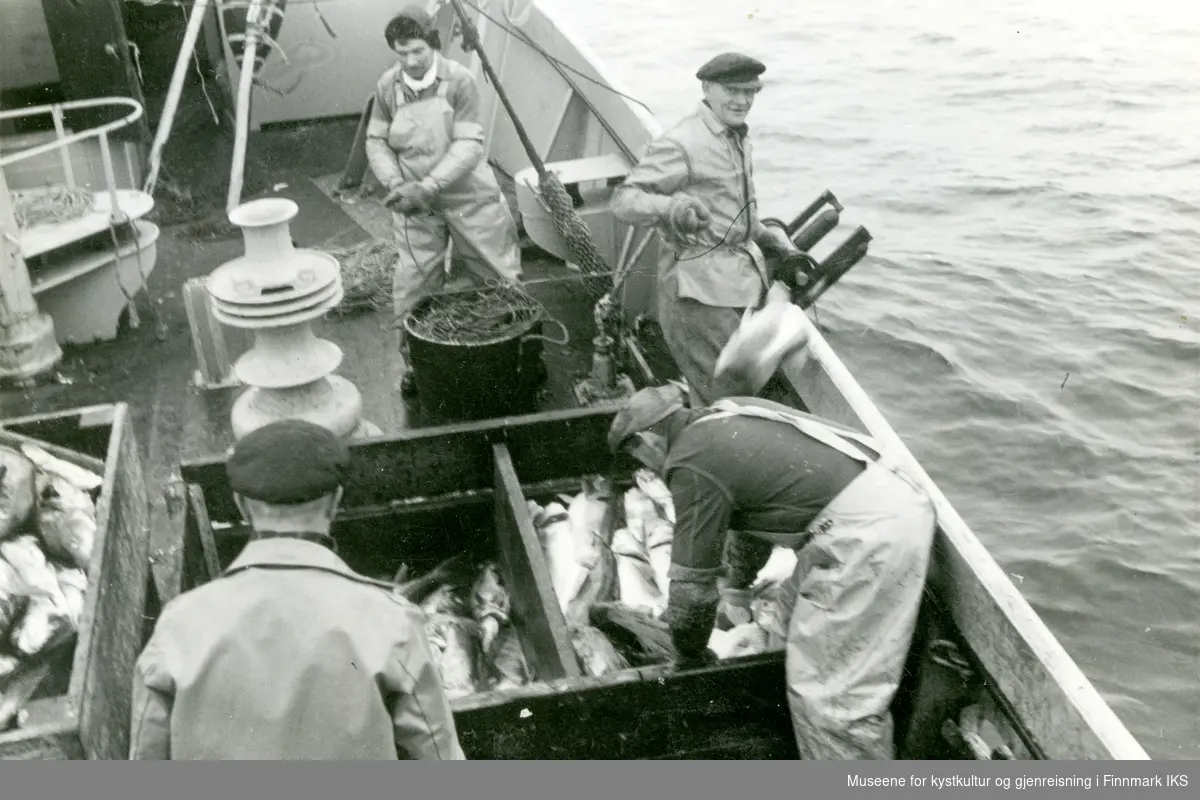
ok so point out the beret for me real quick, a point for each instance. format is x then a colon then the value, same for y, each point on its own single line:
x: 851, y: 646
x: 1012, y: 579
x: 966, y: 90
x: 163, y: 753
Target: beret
x: 287, y: 462
x: 731, y: 68
x: 413, y: 18
x: 646, y: 408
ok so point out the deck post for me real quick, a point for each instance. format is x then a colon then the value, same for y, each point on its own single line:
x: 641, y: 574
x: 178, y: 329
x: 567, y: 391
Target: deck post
x: 28, y: 347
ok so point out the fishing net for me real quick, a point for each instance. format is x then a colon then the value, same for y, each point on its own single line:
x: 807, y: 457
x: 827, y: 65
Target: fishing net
x: 366, y: 275
x: 480, y: 316
x: 55, y: 204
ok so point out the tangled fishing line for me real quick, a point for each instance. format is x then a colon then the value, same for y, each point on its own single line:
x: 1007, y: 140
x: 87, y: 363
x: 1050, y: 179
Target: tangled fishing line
x: 56, y: 204
x: 366, y: 275
x: 479, y: 316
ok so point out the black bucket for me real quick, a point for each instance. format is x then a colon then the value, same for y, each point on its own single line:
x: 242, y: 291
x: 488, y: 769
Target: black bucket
x: 473, y: 381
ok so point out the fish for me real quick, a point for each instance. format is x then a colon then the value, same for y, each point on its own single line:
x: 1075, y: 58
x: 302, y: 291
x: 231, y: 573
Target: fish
x: 66, y: 519
x: 656, y: 489
x: 490, y: 603
x: 639, y: 512
x: 592, y: 522
x: 659, y: 541
x: 18, y: 492
x: 761, y: 342
x: 82, y: 479
x: 44, y: 619
x: 506, y: 660
x: 74, y: 585
x: 595, y: 652
x: 443, y: 601
x: 13, y: 597
x: 636, y: 586
x: 741, y: 640
x: 567, y: 575
x: 38, y: 576
x: 8, y: 665
x: 455, y: 647
x: 767, y: 611
x: 779, y: 567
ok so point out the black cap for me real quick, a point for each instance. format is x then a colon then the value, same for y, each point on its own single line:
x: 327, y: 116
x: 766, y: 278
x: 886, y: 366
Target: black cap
x: 411, y: 23
x: 287, y: 462
x: 731, y: 68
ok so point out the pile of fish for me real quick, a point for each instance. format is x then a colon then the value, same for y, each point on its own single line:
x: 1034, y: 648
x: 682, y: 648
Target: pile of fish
x: 47, y: 533
x: 475, y: 644
x: 602, y: 549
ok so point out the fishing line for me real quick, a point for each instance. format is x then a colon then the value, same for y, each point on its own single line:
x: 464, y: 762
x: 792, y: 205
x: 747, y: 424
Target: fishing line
x: 723, y: 238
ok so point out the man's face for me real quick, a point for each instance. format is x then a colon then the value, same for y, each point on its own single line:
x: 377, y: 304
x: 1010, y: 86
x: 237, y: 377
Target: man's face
x: 416, y: 56
x: 731, y: 101
x: 648, y: 448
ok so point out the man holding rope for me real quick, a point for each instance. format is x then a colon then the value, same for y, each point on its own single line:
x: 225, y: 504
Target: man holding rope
x: 696, y: 182
x: 425, y: 144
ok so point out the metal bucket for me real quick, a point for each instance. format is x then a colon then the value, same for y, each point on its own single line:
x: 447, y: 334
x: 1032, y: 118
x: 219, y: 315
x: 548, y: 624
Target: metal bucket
x: 477, y: 380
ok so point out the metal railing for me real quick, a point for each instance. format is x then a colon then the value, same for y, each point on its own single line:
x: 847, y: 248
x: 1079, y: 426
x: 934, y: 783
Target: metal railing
x: 63, y: 140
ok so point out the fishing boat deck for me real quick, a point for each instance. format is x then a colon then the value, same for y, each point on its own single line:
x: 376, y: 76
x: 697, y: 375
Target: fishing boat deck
x: 151, y: 367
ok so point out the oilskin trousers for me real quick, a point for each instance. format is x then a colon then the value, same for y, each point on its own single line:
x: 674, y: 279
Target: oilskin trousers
x: 852, y: 602
x: 472, y: 212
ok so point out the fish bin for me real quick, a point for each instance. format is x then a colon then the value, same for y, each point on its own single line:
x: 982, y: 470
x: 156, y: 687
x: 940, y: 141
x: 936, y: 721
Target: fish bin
x: 74, y: 582
x: 542, y: 644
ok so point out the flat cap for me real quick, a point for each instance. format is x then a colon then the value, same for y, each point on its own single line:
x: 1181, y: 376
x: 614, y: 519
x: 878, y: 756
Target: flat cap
x: 287, y: 462
x: 413, y: 22
x: 647, y: 407
x: 731, y: 68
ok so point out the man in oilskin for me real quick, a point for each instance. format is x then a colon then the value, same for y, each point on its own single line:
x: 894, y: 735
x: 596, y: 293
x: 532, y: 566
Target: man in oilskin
x: 290, y: 654
x: 747, y: 474
x: 695, y: 183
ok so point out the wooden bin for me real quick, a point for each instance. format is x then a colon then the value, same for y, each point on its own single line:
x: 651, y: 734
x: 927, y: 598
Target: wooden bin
x: 91, y: 720
x: 427, y: 494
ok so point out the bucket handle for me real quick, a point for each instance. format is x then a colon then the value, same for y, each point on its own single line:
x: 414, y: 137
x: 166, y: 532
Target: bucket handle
x: 566, y: 337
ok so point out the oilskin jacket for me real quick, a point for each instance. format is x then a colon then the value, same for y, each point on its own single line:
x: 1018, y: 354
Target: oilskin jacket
x: 290, y: 655
x: 703, y: 157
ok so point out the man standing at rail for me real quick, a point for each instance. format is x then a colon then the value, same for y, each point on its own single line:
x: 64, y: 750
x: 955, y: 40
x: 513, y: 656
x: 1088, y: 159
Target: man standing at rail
x: 290, y: 655
x: 696, y: 183
x: 425, y: 145
x: 760, y: 474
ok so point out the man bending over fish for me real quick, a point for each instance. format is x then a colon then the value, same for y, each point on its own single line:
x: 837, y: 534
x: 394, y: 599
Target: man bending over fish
x: 425, y: 144
x: 290, y: 655
x: 747, y: 474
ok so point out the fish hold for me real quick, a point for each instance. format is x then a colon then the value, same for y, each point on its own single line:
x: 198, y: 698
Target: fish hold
x: 67, y: 520
x: 636, y: 586
x: 456, y: 653
x: 595, y: 652
x: 509, y: 668
x: 12, y: 596
x: 657, y: 491
x: 74, y: 585
x: 742, y: 640
x: 18, y: 492
x: 24, y: 555
x: 490, y: 603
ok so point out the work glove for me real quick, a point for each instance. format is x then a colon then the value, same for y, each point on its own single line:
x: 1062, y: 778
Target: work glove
x: 409, y: 197
x: 687, y: 215
x: 775, y: 242
x: 734, y: 608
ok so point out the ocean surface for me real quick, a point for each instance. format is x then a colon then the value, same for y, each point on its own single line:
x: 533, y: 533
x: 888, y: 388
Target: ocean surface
x: 1028, y: 317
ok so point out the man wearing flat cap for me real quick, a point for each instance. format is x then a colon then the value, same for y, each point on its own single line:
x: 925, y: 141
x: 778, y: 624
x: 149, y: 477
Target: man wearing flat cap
x: 696, y: 184
x: 425, y: 145
x: 747, y: 475
x: 289, y: 654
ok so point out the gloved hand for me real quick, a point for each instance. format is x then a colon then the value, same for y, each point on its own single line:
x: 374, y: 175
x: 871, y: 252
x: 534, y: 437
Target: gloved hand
x: 775, y: 242
x: 734, y: 608
x: 687, y: 215
x: 408, y: 197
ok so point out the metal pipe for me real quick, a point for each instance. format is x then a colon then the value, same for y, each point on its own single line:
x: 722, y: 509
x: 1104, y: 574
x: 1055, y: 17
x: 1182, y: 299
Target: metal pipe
x: 167, y: 118
x: 245, y: 86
